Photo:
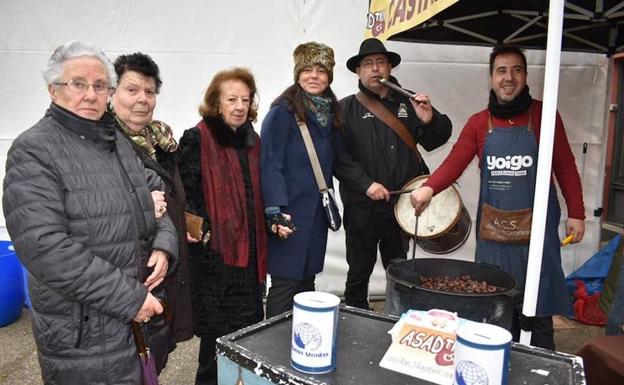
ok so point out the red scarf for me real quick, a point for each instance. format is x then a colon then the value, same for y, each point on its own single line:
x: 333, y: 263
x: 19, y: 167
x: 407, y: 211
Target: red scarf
x: 226, y: 202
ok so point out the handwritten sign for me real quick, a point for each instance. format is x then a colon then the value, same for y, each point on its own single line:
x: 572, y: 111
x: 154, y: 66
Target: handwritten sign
x: 423, y: 345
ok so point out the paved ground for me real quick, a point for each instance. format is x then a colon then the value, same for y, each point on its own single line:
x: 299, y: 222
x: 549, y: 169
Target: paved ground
x: 18, y: 357
x: 19, y: 366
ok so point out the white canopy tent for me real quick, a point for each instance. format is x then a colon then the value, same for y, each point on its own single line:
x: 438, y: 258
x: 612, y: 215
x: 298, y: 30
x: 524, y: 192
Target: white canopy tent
x: 191, y: 40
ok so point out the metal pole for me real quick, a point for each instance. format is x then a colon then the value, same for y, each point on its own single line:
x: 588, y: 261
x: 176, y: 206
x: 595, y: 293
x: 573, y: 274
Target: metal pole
x: 415, y: 239
x: 542, y: 184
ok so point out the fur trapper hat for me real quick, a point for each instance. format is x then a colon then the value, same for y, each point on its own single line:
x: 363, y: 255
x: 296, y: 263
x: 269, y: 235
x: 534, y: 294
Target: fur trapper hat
x: 311, y: 53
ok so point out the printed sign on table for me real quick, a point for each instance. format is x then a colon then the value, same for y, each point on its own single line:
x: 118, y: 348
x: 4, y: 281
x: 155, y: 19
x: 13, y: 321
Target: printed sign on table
x: 423, y: 346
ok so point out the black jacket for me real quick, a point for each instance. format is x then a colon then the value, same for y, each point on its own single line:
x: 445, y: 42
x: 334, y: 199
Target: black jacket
x: 177, y: 284
x: 225, y: 298
x: 369, y: 151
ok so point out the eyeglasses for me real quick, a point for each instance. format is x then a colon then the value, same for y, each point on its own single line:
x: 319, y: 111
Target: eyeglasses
x: 81, y: 87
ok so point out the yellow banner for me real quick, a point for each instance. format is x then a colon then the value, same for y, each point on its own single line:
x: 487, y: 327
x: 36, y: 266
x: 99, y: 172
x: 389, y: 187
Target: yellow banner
x: 389, y: 17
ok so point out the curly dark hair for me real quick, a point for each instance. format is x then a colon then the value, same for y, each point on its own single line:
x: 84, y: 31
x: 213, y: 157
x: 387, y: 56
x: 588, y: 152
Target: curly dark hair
x: 210, y: 104
x: 140, y: 63
x: 506, y: 49
x: 293, y: 96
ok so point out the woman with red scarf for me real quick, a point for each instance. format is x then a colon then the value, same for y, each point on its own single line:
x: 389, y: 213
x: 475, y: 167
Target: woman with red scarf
x: 219, y: 166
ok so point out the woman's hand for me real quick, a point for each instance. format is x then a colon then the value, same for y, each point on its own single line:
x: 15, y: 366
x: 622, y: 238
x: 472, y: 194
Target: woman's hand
x: 190, y: 239
x: 151, y: 306
x: 284, y: 231
x: 160, y: 261
x: 280, y: 224
x: 160, y: 206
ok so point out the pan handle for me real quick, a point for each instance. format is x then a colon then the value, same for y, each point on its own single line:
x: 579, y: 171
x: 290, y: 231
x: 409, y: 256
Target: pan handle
x: 515, y: 295
x: 395, y: 260
x: 490, y: 265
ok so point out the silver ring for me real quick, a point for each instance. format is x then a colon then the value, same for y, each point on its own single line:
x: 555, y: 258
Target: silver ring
x: 146, y: 320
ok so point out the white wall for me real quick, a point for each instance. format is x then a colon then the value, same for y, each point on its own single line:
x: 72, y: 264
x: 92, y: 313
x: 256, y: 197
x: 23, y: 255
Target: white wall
x: 192, y: 39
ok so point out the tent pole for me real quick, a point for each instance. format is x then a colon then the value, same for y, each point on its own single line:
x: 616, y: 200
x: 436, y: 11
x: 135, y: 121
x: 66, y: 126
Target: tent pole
x: 542, y: 184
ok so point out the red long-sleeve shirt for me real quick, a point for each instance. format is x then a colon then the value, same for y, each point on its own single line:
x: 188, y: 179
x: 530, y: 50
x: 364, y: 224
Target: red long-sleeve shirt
x: 471, y: 142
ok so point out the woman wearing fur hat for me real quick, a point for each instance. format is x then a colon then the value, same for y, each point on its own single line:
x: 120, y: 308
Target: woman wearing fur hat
x: 291, y: 195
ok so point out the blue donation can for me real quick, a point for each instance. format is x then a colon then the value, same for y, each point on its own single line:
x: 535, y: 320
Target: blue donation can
x: 11, y: 284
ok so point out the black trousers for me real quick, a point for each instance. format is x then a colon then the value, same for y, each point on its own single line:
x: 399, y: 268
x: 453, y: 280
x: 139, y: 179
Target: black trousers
x: 207, y: 368
x: 543, y: 334
x: 362, y: 241
x: 282, y: 291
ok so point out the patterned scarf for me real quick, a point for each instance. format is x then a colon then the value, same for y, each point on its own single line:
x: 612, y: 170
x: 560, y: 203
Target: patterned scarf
x: 320, y: 106
x: 159, y: 134
x: 225, y: 195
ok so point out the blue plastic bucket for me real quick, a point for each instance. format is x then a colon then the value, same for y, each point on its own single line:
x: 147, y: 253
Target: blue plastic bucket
x: 11, y: 285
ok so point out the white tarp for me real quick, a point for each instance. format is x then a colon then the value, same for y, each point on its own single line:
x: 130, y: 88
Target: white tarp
x: 191, y: 40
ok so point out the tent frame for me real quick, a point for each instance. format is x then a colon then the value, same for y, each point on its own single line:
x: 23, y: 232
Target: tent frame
x: 609, y: 19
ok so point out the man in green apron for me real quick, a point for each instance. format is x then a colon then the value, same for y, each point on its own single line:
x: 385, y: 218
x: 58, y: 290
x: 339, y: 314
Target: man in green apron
x: 505, y: 138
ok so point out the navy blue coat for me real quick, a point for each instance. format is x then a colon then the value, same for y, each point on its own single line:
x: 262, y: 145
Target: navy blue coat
x: 288, y: 181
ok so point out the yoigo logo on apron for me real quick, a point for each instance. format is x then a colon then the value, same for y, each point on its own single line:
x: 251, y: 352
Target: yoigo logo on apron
x: 511, y: 165
x: 314, y: 332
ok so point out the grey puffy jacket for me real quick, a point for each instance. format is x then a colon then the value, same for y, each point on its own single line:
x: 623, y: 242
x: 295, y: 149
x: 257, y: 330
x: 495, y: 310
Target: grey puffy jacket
x: 83, y: 226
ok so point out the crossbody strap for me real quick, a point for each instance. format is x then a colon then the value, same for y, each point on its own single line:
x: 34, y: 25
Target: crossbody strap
x: 377, y: 109
x: 316, y: 165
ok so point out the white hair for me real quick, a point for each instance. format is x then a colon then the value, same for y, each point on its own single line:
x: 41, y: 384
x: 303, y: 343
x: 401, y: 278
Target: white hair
x: 54, y: 69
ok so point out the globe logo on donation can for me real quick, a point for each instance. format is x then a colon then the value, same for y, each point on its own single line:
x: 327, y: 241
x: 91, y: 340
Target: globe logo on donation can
x: 469, y: 373
x: 307, y: 336
x: 314, y: 332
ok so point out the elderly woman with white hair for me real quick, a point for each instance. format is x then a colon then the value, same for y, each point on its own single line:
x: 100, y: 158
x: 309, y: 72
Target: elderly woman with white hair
x: 78, y: 208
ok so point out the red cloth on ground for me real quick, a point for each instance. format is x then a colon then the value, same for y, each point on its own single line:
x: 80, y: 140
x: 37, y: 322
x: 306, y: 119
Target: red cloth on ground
x: 226, y: 202
x: 471, y: 142
x: 587, y: 308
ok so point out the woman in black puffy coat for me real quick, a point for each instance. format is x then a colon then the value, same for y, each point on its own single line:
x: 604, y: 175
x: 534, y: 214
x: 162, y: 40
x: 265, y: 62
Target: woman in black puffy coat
x: 78, y: 208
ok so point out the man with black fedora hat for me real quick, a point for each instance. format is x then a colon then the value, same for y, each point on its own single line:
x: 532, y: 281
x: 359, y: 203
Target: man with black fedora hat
x: 375, y: 154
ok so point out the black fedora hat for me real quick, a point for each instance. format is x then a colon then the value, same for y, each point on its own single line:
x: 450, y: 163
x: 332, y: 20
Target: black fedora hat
x: 371, y: 46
